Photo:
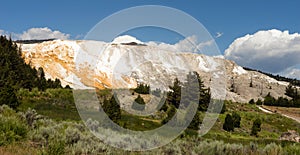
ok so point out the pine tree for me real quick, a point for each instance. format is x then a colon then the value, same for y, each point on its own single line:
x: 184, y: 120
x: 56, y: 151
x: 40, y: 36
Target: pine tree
x: 269, y: 100
x: 223, y: 108
x: 15, y: 72
x: 170, y: 113
x: 205, y: 95
x: 142, y: 89
x: 190, y: 91
x: 292, y: 92
x: 8, y: 96
x: 174, y: 96
x: 228, y: 124
x: 256, y: 127
x: 259, y: 102
x: 236, y: 120
x: 138, y: 104
x: 252, y: 101
x: 112, y: 109
x: 195, y: 123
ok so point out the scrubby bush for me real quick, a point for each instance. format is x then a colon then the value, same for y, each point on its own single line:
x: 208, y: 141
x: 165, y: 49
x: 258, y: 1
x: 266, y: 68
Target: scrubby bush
x: 56, y: 147
x: 72, y: 135
x: 12, y: 128
x: 31, y: 116
x: 272, y: 149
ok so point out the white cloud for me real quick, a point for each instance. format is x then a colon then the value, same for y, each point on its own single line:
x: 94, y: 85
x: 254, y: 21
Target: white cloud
x: 292, y: 72
x: 4, y: 33
x: 219, y: 34
x: 42, y: 33
x: 271, y: 50
x: 36, y: 33
x: 189, y: 44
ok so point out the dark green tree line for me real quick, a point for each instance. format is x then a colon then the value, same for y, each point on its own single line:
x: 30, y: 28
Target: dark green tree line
x: 16, y: 74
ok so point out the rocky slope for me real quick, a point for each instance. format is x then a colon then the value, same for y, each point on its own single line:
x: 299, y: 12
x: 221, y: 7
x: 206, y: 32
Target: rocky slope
x: 126, y: 61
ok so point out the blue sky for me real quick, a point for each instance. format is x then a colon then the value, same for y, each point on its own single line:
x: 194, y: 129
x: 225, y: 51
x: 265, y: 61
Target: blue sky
x: 232, y: 19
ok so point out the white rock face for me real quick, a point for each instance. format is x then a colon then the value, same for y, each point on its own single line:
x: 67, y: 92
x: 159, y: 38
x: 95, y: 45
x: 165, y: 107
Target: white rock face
x: 88, y: 64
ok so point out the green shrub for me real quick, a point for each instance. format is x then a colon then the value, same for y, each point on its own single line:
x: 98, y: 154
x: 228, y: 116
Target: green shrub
x: 31, y: 116
x: 11, y: 129
x: 256, y: 127
x: 72, y: 135
x: 272, y: 149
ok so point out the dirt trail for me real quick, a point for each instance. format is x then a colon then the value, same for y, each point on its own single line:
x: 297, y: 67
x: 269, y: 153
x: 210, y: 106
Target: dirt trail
x: 272, y: 111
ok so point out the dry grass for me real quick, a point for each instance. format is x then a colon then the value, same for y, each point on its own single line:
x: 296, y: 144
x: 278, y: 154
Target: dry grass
x: 19, y: 148
x: 293, y: 113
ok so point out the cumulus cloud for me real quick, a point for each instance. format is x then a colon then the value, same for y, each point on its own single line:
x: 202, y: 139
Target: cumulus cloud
x: 271, y: 50
x: 36, y: 33
x: 292, y: 72
x: 42, y: 33
x: 189, y: 44
x: 4, y: 33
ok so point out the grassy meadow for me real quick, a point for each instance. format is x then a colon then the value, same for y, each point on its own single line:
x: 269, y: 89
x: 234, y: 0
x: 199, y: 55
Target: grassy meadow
x: 54, y: 127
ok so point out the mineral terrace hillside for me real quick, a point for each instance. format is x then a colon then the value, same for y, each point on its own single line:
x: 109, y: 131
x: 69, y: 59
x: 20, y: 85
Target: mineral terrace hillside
x: 126, y: 61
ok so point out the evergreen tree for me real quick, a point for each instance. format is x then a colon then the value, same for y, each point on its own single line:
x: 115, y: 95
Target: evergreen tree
x: 269, y: 100
x: 205, y: 94
x: 292, y: 92
x: 236, y: 120
x: 195, y: 123
x: 42, y: 82
x: 8, y: 96
x: 259, y: 102
x: 190, y: 91
x: 15, y: 72
x: 228, y: 124
x: 256, y: 127
x: 223, y: 108
x: 252, y: 101
x: 174, y: 96
x: 163, y: 104
x: 142, y: 89
x: 112, y: 109
x: 170, y: 113
x: 138, y: 104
